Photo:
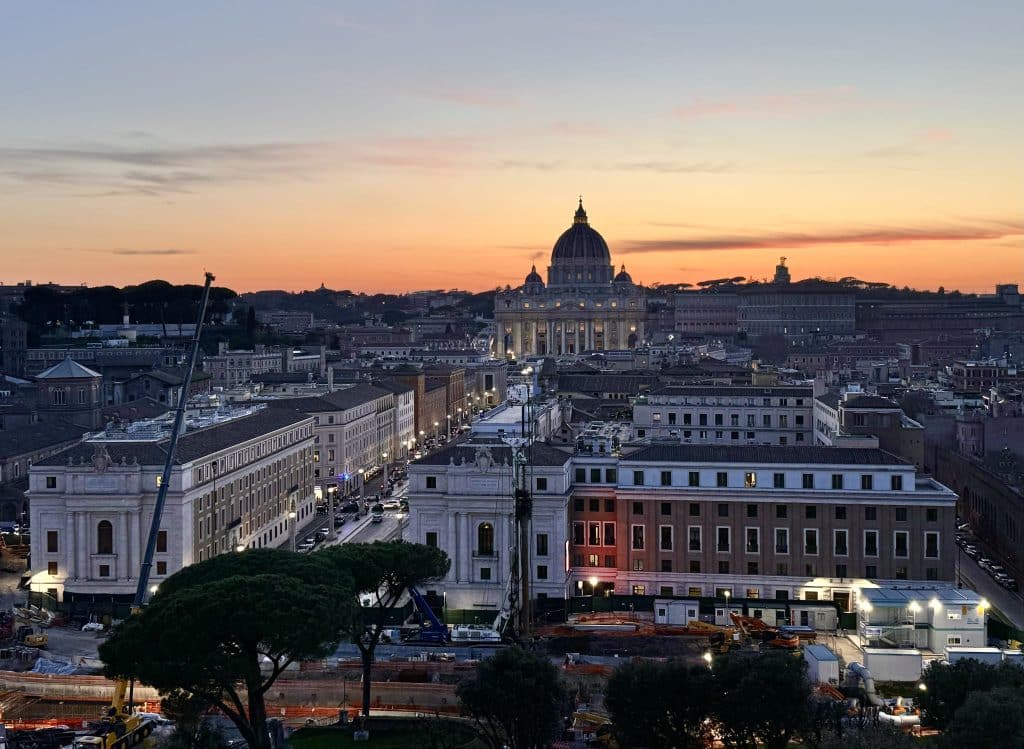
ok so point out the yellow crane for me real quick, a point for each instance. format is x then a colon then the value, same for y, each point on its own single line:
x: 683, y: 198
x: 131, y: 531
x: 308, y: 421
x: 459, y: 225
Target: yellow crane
x: 121, y: 726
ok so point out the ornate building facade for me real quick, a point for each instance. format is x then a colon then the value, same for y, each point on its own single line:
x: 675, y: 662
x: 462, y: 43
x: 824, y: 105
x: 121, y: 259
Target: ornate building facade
x: 585, y: 305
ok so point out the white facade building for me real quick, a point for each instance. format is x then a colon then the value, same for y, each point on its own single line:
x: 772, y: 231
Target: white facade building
x: 233, y: 485
x: 460, y: 500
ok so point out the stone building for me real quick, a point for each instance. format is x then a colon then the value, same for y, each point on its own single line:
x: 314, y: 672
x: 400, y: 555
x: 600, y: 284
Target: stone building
x: 71, y: 392
x: 585, y: 305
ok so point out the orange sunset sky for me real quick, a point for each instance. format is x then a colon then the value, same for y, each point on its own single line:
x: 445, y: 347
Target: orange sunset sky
x: 401, y: 146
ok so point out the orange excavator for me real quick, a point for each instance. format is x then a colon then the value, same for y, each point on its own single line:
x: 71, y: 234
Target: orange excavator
x: 756, y: 629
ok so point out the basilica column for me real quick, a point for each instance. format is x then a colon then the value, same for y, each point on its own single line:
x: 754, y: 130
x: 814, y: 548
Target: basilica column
x: 466, y: 541
x: 561, y: 349
x: 82, y: 546
x: 533, y: 337
x: 122, y: 546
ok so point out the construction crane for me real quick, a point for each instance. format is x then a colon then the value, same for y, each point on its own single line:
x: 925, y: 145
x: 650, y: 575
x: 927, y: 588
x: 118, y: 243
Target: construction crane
x: 121, y: 727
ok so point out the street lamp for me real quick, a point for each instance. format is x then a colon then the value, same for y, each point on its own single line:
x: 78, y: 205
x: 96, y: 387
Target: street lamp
x: 593, y: 586
x: 728, y: 611
x: 707, y: 657
x: 435, y: 433
x: 448, y: 433
x: 293, y: 517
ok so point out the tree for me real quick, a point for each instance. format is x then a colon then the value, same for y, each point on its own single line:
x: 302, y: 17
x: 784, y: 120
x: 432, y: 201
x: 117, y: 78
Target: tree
x: 220, y: 632
x: 191, y: 729
x: 988, y: 719
x: 381, y: 571
x: 515, y: 699
x: 762, y: 699
x: 949, y: 685
x: 661, y: 705
x: 870, y: 736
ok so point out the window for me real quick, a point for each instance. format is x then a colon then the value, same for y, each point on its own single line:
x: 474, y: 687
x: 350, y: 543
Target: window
x: 51, y: 569
x: 485, y: 573
x: 753, y: 542
x: 594, y: 535
x: 931, y: 545
x: 695, y: 566
x: 638, y: 478
x: 687, y: 418
x: 161, y: 568
x: 542, y: 484
x: 901, y: 514
x: 609, y: 560
x: 666, y: 478
x: 871, y: 543
x: 896, y: 483
x: 952, y: 640
x: 611, y: 475
x: 431, y: 539
x: 665, y: 537
x: 432, y: 482
x: 779, y: 480
x: 609, y: 505
x: 577, y: 504
x: 837, y: 481
x: 750, y: 479
x: 51, y: 482
x: 751, y: 511
x: 810, y: 541
x: 870, y: 513
x: 782, y: 511
x: 811, y: 512
x: 841, y: 571
x: 703, y: 420
x: 901, y: 544
x: 595, y: 475
x: 581, y: 475
x: 638, y: 508
x: 578, y: 533
x: 719, y: 420
x: 595, y: 505
x: 931, y: 573
x: 104, y: 570
x: 840, y: 512
x: 931, y: 515
x: 766, y: 420
x: 867, y: 482
x: 666, y: 508
x: 485, y: 539
x: 638, y: 565
x: 105, y: 540
x: 723, y: 567
x: 638, y: 537
x: 542, y: 544
x: 671, y: 417
x: 901, y: 573
x: 694, y: 509
x: 753, y: 568
x: 782, y: 540
x: 694, y: 534
x: 639, y: 590
x: 721, y: 479
x: 723, y: 533
x: 870, y: 571
x: 609, y: 535
x: 51, y: 542
x: 723, y: 510
x: 542, y: 572
x: 839, y: 543
x: 807, y: 481
x: 161, y: 541
x: 694, y: 478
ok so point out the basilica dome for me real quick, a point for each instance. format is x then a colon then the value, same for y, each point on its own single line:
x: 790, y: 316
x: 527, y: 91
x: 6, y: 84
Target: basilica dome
x: 580, y: 257
x: 581, y: 242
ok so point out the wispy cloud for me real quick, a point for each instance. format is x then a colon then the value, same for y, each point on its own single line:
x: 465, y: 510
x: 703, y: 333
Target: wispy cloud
x: 796, y: 103
x: 144, y: 251
x: 789, y: 241
x: 426, y: 152
x: 671, y: 167
x: 99, y: 170
x: 913, y: 147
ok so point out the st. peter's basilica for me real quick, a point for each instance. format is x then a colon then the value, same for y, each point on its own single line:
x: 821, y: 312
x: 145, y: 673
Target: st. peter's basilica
x: 585, y: 305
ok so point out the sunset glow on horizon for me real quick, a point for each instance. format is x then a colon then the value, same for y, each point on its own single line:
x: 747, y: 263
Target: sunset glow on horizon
x: 407, y: 146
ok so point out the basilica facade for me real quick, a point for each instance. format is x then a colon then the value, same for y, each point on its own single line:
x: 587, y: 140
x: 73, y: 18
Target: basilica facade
x: 585, y: 305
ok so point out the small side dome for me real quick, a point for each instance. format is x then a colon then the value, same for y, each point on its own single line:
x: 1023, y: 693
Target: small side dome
x: 623, y: 277
x: 534, y: 276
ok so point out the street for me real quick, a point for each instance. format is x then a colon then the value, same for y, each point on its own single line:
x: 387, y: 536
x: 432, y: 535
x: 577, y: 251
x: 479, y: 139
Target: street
x: 1011, y: 605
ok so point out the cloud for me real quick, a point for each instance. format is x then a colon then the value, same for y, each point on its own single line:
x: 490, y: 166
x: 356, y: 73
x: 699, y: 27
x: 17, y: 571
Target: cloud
x: 578, y: 128
x: 422, y: 152
x: 914, y: 147
x: 135, y: 251
x: 100, y: 170
x: 671, y: 167
x: 811, y: 102
x: 789, y: 241
x: 540, y: 166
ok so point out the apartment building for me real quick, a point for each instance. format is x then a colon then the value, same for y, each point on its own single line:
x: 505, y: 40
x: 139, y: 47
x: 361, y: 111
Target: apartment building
x: 235, y: 480
x: 805, y: 522
x: 726, y: 414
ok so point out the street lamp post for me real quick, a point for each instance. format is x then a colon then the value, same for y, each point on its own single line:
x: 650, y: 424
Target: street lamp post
x: 435, y: 434
x: 361, y: 472
x: 728, y: 611
x: 448, y: 428
x: 293, y: 517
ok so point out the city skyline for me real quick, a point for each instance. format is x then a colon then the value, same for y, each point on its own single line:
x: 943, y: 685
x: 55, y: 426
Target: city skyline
x: 413, y: 146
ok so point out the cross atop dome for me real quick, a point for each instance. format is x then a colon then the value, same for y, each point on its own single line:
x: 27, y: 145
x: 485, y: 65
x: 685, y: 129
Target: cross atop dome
x: 581, y: 215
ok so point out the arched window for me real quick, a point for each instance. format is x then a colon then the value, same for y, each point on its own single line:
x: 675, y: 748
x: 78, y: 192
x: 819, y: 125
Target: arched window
x: 105, y: 537
x: 485, y: 539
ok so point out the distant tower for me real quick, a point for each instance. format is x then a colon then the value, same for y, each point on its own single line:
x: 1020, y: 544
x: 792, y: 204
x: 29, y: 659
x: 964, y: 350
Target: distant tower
x: 781, y: 272
x: 71, y: 392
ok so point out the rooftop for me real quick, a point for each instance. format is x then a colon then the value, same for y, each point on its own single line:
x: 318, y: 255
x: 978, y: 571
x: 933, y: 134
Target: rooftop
x: 462, y: 452
x: 898, y: 598
x: 68, y: 369
x: 752, y: 454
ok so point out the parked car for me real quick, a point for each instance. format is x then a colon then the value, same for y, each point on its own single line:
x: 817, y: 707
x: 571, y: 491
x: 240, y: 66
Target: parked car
x: 971, y: 551
x: 351, y: 506
x: 340, y: 520
x: 325, y: 530
x: 392, y: 504
x: 985, y: 563
x: 92, y: 627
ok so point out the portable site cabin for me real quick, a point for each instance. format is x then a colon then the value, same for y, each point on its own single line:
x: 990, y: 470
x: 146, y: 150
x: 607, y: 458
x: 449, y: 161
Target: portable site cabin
x: 822, y: 664
x: 676, y: 611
